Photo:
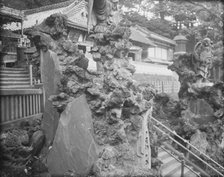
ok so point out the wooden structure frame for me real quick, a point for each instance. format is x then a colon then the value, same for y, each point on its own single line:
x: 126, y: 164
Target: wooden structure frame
x: 20, y: 104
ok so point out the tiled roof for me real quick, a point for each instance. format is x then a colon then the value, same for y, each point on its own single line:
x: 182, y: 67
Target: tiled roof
x: 16, y: 15
x: 153, y: 35
x: 72, y: 10
x: 50, y: 7
x: 77, y: 15
x: 10, y: 34
x: 137, y: 36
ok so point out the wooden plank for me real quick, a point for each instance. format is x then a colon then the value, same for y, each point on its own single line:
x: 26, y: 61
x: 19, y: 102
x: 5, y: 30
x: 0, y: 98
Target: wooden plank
x: 14, y: 123
x: 20, y: 107
x: 16, y: 107
x: 12, y: 108
x: 27, y: 106
x: 3, y: 108
x: 36, y: 108
x: 20, y: 91
x: 24, y: 106
x: 31, y: 104
x: 42, y: 100
x: 38, y: 104
x: 7, y: 108
x: 34, y: 104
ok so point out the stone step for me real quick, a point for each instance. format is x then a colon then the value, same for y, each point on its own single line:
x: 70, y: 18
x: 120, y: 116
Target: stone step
x: 163, y: 154
x: 14, y: 86
x: 189, y: 173
x: 174, y: 173
x: 15, y: 82
x: 167, y: 159
x: 5, y: 71
x: 12, y: 69
x: 170, y: 169
x: 14, y: 79
x: 12, y: 75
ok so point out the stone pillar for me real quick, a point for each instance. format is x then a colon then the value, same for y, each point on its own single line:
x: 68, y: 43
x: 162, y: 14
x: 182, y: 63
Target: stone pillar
x: 143, y: 145
x: 50, y: 77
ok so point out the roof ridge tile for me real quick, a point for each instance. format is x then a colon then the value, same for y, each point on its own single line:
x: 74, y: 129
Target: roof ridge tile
x: 49, y: 7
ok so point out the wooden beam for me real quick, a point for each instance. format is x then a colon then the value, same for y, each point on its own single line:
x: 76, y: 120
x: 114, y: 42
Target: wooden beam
x: 14, y: 123
x: 20, y: 91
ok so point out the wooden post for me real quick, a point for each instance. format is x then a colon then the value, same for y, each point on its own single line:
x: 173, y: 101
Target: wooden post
x: 162, y: 87
x: 144, y: 142
x: 187, y: 153
x: 182, y: 166
x: 31, y: 74
x: 22, y: 28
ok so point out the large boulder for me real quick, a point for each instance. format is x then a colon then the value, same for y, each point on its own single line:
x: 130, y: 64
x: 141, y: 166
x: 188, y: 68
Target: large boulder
x: 73, y: 148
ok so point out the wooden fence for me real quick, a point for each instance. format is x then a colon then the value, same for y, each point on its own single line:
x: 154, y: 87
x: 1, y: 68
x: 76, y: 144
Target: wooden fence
x: 166, y: 86
x: 163, y: 84
x: 20, y: 104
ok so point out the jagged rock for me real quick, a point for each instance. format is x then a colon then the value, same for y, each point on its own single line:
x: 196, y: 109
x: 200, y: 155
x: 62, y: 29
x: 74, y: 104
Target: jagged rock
x: 16, y: 150
x: 221, y: 145
x: 114, y: 104
x: 69, y: 46
x: 199, y: 141
x: 37, y: 142
x: 74, y: 148
x: 49, y: 27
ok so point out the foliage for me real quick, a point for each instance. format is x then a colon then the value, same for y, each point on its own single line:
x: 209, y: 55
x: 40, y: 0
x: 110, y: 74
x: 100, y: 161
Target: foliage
x: 194, y: 19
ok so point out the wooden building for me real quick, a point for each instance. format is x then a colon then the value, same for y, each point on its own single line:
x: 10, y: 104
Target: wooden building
x: 20, y: 99
x: 151, y: 55
x: 9, y: 40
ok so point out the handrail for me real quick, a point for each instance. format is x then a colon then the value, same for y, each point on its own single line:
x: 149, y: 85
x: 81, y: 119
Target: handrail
x: 173, y: 132
x: 189, y: 151
x: 175, y: 151
x: 189, y: 162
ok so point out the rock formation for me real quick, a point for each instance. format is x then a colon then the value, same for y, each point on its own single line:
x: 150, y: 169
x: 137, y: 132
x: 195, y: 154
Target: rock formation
x: 20, y: 148
x: 201, y: 102
x: 112, y: 109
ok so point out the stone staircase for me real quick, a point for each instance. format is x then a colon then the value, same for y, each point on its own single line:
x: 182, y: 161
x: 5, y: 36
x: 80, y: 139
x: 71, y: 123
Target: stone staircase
x: 11, y: 78
x: 171, y: 167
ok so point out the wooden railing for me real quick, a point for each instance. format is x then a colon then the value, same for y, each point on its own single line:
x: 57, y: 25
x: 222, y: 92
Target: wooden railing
x: 165, y: 86
x: 213, y: 165
x: 20, y: 104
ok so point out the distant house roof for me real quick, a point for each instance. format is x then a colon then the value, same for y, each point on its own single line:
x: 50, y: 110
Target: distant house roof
x: 75, y: 10
x: 50, y: 7
x: 10, y: 15
x: 137, y: 36
x: 9, y: 34
x: 155, y: 36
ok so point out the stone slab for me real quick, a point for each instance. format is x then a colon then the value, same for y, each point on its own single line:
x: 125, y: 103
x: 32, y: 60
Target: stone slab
x: 50, y: 76
x: 73, y: 148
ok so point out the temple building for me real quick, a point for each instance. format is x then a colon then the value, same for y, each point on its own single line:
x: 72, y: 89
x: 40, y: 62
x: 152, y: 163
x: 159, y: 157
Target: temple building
x: 9, y: 41
x: 150, y: 54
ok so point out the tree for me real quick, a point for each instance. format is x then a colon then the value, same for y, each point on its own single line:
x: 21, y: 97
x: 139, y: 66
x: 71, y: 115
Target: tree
x: 194, y: 19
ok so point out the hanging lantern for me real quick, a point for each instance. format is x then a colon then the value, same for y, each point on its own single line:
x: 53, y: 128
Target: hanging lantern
x: 181, y: 42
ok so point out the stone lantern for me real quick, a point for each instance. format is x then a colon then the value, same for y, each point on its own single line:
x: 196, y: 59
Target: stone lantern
x: 181, y: 42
